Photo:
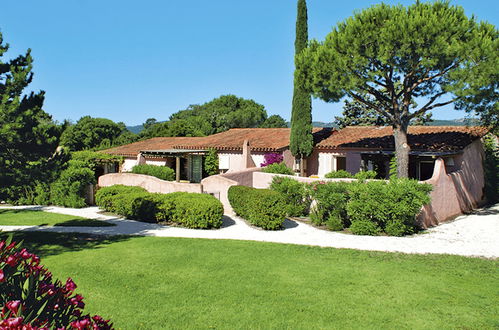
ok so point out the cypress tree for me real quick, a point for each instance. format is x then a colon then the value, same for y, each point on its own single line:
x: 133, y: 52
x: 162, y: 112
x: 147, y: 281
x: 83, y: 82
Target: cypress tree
x: 301, y: 140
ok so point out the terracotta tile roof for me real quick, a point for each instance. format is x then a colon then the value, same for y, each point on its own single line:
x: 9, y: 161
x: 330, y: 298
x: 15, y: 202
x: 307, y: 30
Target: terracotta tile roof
x: 435, y: 138
x: 260, y: 139
x: 157, y: 143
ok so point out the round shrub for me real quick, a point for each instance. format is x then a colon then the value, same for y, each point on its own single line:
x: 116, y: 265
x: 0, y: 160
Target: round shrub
x: 198, y: 211
x: 69, y: 189
x: 261, y: 207
x: 341, y: 174
x: 278, y: 168
x: 335, y: 223
x: 331, y: 201
x: 160, y: 172
x: 364, y: 227
x: 294, y: 193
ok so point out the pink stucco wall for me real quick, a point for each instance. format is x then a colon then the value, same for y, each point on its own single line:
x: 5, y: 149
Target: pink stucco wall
x: 149, y: 183
x: 218, y: 185
x: 457, y: 192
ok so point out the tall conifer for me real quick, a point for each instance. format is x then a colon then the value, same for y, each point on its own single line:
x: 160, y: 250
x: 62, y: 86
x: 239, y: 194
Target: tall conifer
x: 301, y: 140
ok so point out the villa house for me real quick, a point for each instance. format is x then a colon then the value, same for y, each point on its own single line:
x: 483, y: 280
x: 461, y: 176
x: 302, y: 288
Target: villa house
x: 352, y: 148
x: 186, y: 153
x: 358, y: 148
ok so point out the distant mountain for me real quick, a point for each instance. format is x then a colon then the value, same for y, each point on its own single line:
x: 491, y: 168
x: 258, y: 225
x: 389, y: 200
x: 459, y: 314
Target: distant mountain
x: 135, y: 129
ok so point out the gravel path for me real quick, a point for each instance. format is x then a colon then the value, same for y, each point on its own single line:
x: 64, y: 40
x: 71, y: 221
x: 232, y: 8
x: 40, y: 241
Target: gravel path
x: 470, y: 235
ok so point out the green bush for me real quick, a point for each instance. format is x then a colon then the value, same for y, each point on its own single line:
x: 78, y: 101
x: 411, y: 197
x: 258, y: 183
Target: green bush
x: 160, y: 172
x: 365, y: 175
x: 338, y: 175
x: 331, y: 199
x: 278, y: 168
x: 261, y: 207
x: 103, y: 197
x: 391, y: 206
x: 191, y: 210
x: 294, y: 193
x: 70, y: 188
x: 364, y: 227
x: 211, y: 164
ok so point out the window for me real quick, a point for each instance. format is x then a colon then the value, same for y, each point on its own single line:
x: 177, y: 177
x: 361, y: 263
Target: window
x: 341, y: 163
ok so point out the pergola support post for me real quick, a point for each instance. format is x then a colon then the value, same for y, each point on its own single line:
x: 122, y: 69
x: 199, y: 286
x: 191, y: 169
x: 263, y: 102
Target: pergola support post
x: 177, y: 168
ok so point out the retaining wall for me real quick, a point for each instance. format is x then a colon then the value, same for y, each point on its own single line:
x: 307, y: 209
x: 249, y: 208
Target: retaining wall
x: 149, y: 183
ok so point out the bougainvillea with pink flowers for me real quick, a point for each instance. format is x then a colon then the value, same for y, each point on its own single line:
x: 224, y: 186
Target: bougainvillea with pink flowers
x: 31, y: 299
x: 271, y: 158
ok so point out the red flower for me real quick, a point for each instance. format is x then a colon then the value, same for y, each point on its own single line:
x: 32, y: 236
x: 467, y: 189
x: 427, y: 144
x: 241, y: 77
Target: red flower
x: 2, y: 276
x: 81, y: 324
x: 70, y: 285
x: 2, y: 244
x: 11, y: 261
x: 13, y: 306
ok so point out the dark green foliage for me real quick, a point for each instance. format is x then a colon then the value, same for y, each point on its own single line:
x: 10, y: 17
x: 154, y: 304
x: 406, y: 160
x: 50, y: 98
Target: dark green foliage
x: 278, y: 168
x: 274, y: 121
x: 365, y: 175
x: 393, y: 168
x: 331, y: 200
x: 69, y: 189
x: 211, y: 162
x: 395, y: 54
x: 301, y: 140
x: 190, y: 210
x: 340, y: 174
x: 491, y: 168
x: 96, y: 133
x: 28, y: 136
x: 365, y: 227
x: 356, y: 113
x: 197, y: 211
x: 392, y: 206
x: 261, y: 207
x: 218, y: 115
x: 160, y: 172
x: 103, y: 196
x: 294, y: 193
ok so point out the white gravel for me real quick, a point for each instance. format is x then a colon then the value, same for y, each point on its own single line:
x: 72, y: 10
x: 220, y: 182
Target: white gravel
x: 474, y: 235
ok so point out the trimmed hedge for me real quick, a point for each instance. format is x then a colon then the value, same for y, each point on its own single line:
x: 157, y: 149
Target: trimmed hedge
x: 191, y: 210
x: 261, y: 207
x: 160, y: 172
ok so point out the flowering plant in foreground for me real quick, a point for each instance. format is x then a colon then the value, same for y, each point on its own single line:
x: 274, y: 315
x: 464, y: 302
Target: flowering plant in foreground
x: 271, y: 158
x: 31, y: 299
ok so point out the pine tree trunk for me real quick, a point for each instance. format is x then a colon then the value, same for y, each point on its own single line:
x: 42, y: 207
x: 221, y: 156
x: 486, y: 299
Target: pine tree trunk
x: 402, y: 149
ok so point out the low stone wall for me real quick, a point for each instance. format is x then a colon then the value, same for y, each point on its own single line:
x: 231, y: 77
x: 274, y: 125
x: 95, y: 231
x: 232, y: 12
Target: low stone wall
x: 458, y: 192
x: 149, y: 183
x: 218, y: 185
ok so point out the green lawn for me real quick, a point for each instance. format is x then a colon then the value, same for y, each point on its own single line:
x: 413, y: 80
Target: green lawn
x: 18, y: 217
x: 152, y: 283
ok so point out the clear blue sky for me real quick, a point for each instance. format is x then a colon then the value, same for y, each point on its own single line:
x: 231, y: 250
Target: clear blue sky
x: 132, y: 60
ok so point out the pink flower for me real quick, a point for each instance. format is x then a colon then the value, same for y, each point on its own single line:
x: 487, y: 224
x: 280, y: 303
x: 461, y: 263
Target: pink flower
x: 13, y: 306
x: 2, y: 244
x: 14, y: 322
x: 70, y: 285
x: 11, y: 261
x: 81, y: 324
x: 78, y: 301
x: 2, y: 276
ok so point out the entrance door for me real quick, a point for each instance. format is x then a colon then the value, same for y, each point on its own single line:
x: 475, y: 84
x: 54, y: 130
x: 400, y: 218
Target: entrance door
x: 196, y: 168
